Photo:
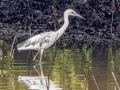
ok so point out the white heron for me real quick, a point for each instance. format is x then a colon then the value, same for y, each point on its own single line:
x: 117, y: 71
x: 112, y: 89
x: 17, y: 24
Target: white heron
x: 45, y: 40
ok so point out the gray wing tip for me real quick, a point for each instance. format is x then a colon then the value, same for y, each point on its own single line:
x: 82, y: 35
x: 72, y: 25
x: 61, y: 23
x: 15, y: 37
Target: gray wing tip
x: 21, y: 44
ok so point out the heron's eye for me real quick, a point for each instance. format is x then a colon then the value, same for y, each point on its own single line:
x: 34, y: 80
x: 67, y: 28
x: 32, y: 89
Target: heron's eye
x: 72, y: 12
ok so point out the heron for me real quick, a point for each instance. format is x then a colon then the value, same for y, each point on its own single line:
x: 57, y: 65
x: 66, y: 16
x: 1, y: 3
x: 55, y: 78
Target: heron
x: 44, y: 40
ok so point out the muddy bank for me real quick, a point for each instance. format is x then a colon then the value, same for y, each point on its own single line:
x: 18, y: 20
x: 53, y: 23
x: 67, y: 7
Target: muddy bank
x: 25, y: 18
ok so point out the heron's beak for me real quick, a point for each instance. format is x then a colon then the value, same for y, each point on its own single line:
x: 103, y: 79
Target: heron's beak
x: 80, y: 16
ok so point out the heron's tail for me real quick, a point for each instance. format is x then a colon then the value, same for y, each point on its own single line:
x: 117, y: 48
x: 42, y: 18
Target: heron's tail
x: 23, y: 46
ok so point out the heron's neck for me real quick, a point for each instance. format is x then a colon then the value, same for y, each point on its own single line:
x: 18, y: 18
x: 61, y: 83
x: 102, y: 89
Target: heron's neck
x: 64, y: 27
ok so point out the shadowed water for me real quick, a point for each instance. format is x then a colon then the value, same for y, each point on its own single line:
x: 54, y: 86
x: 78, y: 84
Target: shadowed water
x: 78, y: 67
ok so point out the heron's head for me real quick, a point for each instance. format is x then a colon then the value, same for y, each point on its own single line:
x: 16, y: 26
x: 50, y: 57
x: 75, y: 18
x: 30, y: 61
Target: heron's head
x: 72, y: 13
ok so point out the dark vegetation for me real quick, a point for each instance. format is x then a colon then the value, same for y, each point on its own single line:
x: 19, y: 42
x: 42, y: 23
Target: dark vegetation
x: 25, y: 18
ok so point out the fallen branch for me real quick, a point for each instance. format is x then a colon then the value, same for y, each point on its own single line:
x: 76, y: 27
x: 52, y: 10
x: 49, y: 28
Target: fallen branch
x: 115, y: 80
x: 95, y: 82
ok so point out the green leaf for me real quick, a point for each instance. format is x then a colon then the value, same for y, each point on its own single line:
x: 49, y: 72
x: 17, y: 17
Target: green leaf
x: 60, y: 20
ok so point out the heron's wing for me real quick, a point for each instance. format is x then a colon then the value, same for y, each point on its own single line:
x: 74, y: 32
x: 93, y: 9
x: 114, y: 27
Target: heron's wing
x: 43, y: 38
x: 48, y: 38
x: 27, y: 42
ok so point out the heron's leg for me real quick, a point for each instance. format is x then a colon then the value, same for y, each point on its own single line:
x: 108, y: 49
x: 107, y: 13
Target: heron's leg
x: 40, y: 69
x: 36, y: 56
x: 40, y: 76
x: 36, y: 69
x: 41, y: 52
x: 40, y: 63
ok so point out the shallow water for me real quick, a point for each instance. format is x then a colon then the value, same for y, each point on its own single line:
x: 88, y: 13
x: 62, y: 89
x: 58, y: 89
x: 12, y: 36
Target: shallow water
x: 79, y: 67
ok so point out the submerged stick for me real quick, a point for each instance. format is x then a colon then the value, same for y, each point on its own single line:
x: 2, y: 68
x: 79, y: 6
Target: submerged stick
x: 11, y: 51
x: 95, y: 82
x: 11, y: 57
x: 115, y: 80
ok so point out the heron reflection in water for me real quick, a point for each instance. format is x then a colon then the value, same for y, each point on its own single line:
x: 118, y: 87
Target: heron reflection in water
x: 38, y: 82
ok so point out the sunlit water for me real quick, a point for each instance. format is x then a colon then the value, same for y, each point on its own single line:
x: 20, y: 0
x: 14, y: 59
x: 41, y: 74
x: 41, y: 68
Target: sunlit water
x: 84, y: 67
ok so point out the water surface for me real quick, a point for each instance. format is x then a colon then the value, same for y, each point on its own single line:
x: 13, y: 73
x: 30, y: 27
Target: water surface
x: 79, y: 67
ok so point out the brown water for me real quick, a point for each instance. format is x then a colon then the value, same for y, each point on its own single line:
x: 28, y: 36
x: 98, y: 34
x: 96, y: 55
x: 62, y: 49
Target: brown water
x: 73, y: 68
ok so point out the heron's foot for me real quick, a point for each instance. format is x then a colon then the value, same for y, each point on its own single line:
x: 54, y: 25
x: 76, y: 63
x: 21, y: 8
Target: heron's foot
x: 36, y: 69
x: 36, y: 60
x: 39, y: 63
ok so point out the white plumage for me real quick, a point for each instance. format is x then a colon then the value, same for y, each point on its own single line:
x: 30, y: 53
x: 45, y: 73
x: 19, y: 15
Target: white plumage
x: 45, y: 40
x: 37, y: 42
